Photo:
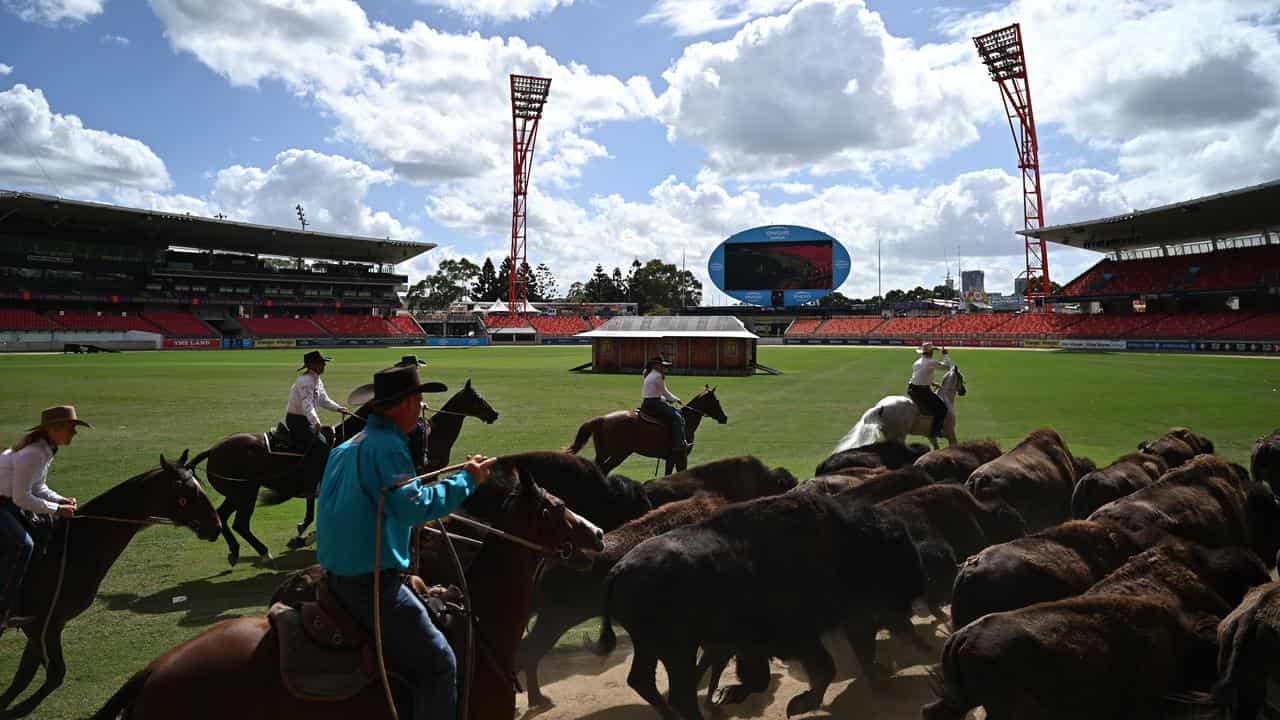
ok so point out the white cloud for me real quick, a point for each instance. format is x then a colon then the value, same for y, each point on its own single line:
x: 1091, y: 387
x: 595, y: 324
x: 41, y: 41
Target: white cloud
x: 498, y: 9
x: 54, y: 11
x: 5, y: 69
x: 696, y: 17
x: 38, y: 146
x: 120, y: 40
x: 822, y: 88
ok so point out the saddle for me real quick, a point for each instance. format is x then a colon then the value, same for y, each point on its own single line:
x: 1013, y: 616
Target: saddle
x: 280, y: 441
x: 325, y: 654
x: 653, y: 419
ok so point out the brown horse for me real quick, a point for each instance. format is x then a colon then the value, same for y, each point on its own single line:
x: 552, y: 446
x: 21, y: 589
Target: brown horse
x: 619, y: 434
x: 63, y: 583
x: 232, y: 669
x: 240, y: 465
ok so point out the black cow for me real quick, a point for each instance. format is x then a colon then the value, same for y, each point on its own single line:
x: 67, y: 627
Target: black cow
x: 889, y: 453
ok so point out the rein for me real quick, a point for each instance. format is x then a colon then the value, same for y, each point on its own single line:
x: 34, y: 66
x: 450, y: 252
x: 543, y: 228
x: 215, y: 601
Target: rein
x: 150, y: 520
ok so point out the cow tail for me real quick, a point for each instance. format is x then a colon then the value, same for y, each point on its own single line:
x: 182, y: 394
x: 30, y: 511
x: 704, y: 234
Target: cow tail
x: 119, y: 704
x: 584, y: 434
x: 608, y: 640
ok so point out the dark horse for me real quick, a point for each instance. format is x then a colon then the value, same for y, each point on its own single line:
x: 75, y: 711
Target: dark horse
x: 619, y: 434
x: 239, y: 466
x: 62, y: 584
x: 232, y: 669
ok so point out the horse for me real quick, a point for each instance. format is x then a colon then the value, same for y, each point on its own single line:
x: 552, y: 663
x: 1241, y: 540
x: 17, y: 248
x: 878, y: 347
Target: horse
x: 896, y: 416
x: 63, y: 582
x: 240, y: 465
x: 232, y: 669
x: 619, y: 434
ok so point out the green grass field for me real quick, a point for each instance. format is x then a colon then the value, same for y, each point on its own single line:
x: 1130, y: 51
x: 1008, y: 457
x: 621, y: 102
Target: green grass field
x: 144, y: 404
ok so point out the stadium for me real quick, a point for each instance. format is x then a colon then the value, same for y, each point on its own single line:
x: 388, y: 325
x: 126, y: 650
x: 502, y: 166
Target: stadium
x: 1110, y: 471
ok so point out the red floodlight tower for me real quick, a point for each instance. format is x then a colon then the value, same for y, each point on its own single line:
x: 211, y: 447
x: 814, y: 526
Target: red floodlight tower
x: 528, y: 95
x: 1001, y: 51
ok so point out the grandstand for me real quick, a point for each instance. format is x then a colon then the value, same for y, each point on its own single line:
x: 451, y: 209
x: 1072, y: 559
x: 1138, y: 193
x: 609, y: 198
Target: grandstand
x: 81, y: 271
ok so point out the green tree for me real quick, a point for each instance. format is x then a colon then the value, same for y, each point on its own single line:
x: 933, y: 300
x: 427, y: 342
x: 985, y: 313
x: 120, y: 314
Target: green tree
x: 446, y: 286
x: 486, y: 286
x: 545, y: 282
x: 836, y: 298
x: 659, y: 283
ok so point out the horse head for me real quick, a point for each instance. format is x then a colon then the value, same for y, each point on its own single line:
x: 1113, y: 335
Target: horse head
x: 549, y: 522
x: 953, y: 382
x: 174, y: 492
x: 468, y: 401
x: 708, y: 404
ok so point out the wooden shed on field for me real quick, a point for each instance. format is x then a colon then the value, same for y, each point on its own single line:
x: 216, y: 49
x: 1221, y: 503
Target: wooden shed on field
x: 703, y: 345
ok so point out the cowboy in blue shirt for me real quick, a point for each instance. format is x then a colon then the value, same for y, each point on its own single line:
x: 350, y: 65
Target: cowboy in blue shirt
x: 354, y: 479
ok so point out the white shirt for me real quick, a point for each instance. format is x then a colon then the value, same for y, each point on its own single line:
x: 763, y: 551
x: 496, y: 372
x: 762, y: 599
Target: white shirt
x: 306, y: 393
x: 922, y: 369
x: 23, y: 476
x: 655, y: 386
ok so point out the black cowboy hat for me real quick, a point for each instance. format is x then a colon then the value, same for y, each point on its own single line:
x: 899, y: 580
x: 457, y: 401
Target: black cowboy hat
x: 396, y: 382
x: 658, y: 360
x: 312, y: 357
x: 406, y: 360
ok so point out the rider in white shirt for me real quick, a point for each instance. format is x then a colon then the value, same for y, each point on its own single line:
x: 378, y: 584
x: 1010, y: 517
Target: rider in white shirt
x: 308, y: 392
x: 656, y: 400
x: 920, y: 387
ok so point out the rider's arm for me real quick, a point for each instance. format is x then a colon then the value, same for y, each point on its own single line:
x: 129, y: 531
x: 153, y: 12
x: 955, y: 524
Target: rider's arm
x: 667, y: 394
x: 324, y: 400
x: 306, y: 398
x: 30, y: 468
x: 415, y: 504
x: 944, y: 363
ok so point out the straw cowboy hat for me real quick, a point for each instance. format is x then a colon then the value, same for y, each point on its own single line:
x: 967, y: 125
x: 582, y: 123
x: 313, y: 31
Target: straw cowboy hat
x: 59, y: 414
x: 925, y: 347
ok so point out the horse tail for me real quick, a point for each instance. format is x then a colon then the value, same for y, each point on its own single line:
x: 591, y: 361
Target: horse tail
x: 867, y: 431
x: 201, y: 457
x: 585, y: 431
x: 118, y: 705
x: 608, y: 639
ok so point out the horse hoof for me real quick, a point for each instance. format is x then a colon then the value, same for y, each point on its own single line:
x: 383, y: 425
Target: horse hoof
x: 296, y: 543
x: 301, y: 528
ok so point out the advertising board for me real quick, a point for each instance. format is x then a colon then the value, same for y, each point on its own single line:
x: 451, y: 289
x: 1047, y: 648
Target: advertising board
x: 779, y: 265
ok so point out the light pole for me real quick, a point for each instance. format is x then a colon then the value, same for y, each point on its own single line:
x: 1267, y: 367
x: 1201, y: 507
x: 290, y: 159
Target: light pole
x: 302, y: 216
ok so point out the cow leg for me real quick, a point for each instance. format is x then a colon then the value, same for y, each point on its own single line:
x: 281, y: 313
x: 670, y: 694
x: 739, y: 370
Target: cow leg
x: 821, y: 670
x: 682, y: 679
x: 241, y: 526
x: 643, y: 679
x: 714, y: 659
x: 225, y: 511
x: 862, y: 638
x: 552, y: 622
x: 753, y: 677
x: 55, y: 671
x: 25, y: 673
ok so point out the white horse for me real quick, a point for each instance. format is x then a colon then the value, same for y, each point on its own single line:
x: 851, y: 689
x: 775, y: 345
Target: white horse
x: 896, y: 416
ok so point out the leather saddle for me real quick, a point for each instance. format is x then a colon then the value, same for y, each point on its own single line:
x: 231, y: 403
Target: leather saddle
x: 653, y: 419
x: 325, y: 654
x: 280, y: 442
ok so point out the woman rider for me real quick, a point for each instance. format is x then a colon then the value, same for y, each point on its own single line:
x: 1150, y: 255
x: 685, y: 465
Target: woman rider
x: 657, y: 401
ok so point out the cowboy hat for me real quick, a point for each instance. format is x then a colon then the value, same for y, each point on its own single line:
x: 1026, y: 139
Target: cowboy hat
x: 925, y: 347
x: 658, y: 360
x: 397, y: 382
x: 410, y: 360
x: 59, y: 414
x: 312, y: 357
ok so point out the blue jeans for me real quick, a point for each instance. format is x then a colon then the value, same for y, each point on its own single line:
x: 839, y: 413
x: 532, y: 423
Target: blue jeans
x: 15, y: 553
x: 413, y: 647
x: 675, y: 421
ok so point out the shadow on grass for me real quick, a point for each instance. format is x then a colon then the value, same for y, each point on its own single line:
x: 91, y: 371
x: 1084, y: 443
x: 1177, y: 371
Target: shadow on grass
x: 209, y: 599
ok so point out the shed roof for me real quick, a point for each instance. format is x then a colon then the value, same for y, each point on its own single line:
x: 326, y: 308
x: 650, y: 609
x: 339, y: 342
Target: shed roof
x: 664, y: 326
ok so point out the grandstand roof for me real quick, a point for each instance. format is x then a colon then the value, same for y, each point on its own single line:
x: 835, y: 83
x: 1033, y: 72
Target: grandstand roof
x: 155, y: 228
x: 1245, y: 211
x: 660, y: 326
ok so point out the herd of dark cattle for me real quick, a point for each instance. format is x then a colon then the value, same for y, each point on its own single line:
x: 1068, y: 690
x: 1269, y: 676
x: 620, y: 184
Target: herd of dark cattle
x: 1073, y: 591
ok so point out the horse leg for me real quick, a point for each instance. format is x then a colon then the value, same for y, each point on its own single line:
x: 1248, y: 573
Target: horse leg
x: 27, y: 667
x: 225, y: 510
x: 243, y: 517
x: 55, y: 671
x: 682, y: 677
x: 552, y: 622
x: 643, y: 679
x: 299, y: 541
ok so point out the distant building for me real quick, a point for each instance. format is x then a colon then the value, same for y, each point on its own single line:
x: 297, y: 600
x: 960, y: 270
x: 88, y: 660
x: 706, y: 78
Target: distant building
x: 971, y: 281
x: 1019, y: 286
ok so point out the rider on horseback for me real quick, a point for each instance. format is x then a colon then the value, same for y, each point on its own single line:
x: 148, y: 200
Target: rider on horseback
x: 304, y: 422
x: 657, y: 401
x: 358, y: 472
x: 24, y: 469
x: 920, y: 388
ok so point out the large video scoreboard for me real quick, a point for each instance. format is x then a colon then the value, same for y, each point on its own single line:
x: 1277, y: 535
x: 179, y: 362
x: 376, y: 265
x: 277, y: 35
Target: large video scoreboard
x: 779, y: 265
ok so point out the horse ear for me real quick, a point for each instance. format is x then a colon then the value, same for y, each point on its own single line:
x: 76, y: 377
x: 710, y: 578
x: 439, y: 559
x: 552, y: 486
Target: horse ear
x: 164, y: 463
x: 182, y: 460
x: 468, y: 384
x: 706, y: 387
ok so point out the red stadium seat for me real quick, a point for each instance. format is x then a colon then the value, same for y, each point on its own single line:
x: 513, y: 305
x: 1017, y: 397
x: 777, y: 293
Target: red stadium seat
x: 355, y: 325
x: 803, y: 326
x: 1190, y: 325
x: 15, y: 319
x: 1221, y: 270
x: 907, y: 326
x: 180, y: 325
x: 1264, y: 326
x: 1111, y: 326
x: 407, y: 325
x: 965, y: 325
x: 81, y: 320
x: 1035, y: 324
x: 597, y: 321
x: 558, y: 326
x: 502, y: 320
x: 282, y: 327
x: 848, y: 326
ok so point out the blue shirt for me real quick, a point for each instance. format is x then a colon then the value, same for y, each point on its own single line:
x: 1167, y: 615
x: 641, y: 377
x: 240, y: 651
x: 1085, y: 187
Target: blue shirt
x: 347, y: 508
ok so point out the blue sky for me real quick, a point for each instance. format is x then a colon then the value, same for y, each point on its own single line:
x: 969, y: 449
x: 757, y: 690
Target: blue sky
x: 671, y: 124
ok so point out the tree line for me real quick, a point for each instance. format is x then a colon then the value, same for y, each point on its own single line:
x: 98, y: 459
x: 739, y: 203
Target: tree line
x: 656, y: 287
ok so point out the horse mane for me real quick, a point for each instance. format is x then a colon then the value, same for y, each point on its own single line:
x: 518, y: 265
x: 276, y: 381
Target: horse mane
x: 114, y: 496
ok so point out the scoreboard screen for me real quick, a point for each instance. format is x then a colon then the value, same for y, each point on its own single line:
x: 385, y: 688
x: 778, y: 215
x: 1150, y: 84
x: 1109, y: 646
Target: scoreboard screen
x: 789, y: 265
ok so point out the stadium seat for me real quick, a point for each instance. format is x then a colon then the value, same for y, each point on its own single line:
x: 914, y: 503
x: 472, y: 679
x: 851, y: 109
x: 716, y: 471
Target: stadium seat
x: 1190, y: 325
x: 407, y: 325
x: 355, y: 325
x: 907, y: 326
x: 971, y: 324
x: 558, y: 326
x: 596, y: 321
x: 1110, y: 326
x: 501, y: 320
x: 82, y: 320
x: 1264, y: 326
x: 803, y: 326
x: 1221, y: 270
x: 15, y: 319
x: 848, y: 326
x: 180, y: 325
x: 1035, y: 324
x: 282, y: 327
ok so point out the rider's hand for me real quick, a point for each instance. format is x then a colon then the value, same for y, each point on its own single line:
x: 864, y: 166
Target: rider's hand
x: 344, y: 411
x: 479, y: 466
x: 944, y: 351
x: 71, y: 501
x: 66, y: 511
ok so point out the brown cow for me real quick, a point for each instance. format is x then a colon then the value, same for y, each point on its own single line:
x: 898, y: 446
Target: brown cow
x: 1036, y: 478
x: 949, y: 525
x: 1204, y: 501
x: 1122, y: 477
x: 1178, y: 445
x: 1052, y: 564
x: 734, y: 478
x: 1265, y: 461
x: 956, y: 463
x: 1144, y: 632
x: 1249, y: 652
x: 888, y: 453
x: 868, y: 485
